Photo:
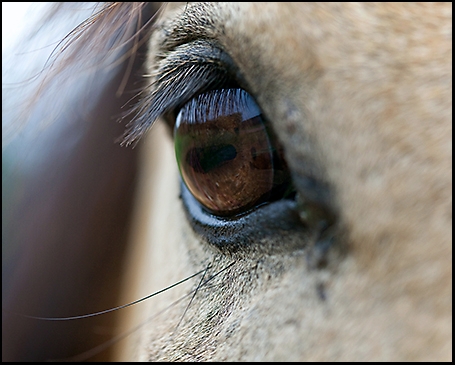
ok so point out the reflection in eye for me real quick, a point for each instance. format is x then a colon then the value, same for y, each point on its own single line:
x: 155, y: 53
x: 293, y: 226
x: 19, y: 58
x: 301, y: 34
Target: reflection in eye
x: 225, y: 154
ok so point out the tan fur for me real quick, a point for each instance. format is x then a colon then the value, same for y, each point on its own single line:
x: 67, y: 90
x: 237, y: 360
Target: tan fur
x: 364, y: 91
x: 360, y: 97
x: 368, y: 87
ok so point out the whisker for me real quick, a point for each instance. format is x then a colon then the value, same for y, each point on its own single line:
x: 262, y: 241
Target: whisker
x: 96, y: 350
x: 191, y: 300
x: 111, y: 309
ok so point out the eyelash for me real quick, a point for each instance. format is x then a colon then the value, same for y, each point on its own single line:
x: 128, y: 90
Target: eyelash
x: 188, y: 70
x: 193, y: 69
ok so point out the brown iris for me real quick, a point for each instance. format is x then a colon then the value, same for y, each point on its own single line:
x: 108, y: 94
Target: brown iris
x: 224, y: 152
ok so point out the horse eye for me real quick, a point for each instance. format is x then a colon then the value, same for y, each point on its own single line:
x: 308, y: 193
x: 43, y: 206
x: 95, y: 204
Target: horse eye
x: 226, y: 156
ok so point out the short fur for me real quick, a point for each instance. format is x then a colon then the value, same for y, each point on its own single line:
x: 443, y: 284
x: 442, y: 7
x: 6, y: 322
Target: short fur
x: 360, y: 97
x: 362, y: 94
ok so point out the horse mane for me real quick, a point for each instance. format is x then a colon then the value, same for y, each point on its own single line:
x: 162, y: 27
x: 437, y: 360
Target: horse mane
x: 103, y: 42
x: 66, y: 79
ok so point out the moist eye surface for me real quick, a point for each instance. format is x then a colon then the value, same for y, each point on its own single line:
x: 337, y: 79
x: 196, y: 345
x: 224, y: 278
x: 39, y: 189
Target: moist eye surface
x: 226, y: 157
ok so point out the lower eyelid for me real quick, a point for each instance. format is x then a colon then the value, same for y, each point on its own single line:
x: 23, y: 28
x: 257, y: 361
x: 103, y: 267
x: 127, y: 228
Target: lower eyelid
x: 272, y: 222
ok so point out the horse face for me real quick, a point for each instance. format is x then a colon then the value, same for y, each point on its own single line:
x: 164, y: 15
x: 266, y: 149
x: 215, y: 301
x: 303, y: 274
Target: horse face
x: 344, y: 268
x: 312, y: 208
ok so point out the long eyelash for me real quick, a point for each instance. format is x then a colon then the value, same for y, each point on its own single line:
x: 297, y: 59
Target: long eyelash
x: 190, y: 69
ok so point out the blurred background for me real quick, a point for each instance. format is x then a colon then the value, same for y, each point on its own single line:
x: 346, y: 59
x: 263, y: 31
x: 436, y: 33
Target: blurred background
x: 67, y: 184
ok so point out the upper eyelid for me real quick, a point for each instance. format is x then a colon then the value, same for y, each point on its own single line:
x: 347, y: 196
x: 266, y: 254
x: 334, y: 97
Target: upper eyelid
x: 194, y: 22
x: 188, y: 69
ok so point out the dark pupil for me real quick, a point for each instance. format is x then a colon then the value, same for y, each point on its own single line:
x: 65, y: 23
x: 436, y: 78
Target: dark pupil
x: 205, y: 159
x: 224, y: 153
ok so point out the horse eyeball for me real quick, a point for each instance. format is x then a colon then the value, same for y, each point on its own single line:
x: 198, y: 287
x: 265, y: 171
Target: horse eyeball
x: 224, y: 153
